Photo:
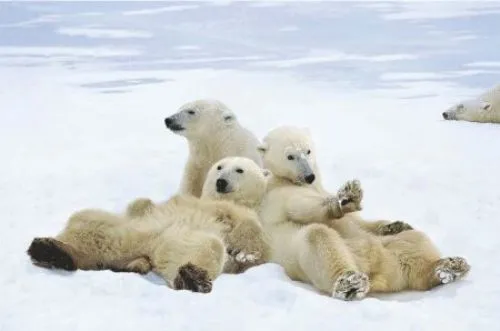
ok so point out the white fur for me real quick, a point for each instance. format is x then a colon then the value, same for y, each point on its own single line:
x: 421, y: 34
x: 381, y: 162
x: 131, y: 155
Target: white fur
x: 483, y: 109
x: 213, y: 132
x: 335, y: 250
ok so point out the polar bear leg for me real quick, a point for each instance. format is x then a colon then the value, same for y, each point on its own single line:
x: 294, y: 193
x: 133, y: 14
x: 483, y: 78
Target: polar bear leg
x: 91, y: 240
x: 324, y: 258
x: 420, y: 261
x: 189, y: 260
x: 246, y: 246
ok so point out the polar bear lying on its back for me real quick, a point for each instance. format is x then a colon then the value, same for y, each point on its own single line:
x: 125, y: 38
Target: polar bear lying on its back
x: 317, y: 240
x: 213, y: 132
x: 483, y: 109
x: 187, y: 240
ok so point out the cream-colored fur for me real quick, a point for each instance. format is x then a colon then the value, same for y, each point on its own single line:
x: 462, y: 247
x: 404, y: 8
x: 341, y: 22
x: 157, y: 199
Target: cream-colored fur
x: 213, y: 132
x: 289, y: 153
x: 189, y: 241
x: 483, y: 109
x: 319, y: 239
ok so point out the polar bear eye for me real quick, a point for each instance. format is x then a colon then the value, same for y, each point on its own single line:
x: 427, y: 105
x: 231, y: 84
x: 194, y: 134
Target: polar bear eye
x: 290, y: 157
x: 190, y: 112
x: 239, y: 170
x: 308, y: 152
x: 219, y: 167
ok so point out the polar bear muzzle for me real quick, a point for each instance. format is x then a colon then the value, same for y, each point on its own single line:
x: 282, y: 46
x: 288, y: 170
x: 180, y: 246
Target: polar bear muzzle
x: 449, y: 115
x: 172, y: 124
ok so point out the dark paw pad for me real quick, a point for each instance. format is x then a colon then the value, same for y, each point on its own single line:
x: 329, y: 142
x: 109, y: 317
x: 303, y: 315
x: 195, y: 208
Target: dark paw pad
x: 350, y: 196
x: 345, y: 201
x: 47, y: 253
x: 192, y: 278
x: 395, y: 228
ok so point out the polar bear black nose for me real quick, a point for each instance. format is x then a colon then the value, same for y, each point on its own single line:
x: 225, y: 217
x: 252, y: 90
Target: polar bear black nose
x: 221, y: 185
x: 445, y: 116
x: 310, y: 178
x: 168, y: 122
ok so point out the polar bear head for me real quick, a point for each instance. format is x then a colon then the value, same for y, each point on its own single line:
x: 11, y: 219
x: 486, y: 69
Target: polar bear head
x: 467, y: 110
x: 201, y: 118
x: 289, y: 153
x: 238, y: 179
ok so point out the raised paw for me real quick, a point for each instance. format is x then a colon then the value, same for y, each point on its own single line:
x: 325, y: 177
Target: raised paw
x: 351, y: 285
x: 450, y: 269
x: 193, y: 278
x: 50, y: 253
x: 394, y: 228
x: 350, y: 196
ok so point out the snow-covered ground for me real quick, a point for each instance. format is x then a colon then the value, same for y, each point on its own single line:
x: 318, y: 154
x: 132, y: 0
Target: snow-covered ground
x: 84, y: 88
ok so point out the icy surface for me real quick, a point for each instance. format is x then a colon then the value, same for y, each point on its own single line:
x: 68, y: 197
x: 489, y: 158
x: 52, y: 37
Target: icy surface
x: 84, y: 88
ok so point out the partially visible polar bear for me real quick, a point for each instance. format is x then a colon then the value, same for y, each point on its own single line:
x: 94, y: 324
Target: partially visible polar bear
x: 319, y: 239
x: 213, y: 132
x: 483, y: 109
x: 187, y: 240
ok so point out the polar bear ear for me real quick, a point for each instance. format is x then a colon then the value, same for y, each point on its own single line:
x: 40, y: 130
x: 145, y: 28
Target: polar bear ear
x: 228, y: 116
x: 266, y: 172
x: 262, y: 148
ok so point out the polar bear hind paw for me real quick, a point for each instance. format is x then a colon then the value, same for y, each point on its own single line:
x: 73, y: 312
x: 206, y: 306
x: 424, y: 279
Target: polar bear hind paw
x: 351, y: 285
x: 450, y: 269
x: 193, y: 278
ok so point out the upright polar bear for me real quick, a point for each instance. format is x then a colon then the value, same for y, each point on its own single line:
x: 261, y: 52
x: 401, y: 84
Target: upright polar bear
x: 187, y: 240
x: 483, y: 109
x: 318, y: 239
x: 213, y: 132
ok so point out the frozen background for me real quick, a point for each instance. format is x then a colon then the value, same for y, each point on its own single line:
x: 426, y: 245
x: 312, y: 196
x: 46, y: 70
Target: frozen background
x: 84, y: 88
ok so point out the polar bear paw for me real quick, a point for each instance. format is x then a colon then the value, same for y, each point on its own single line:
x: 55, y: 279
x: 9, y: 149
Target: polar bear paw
x: 350, y: 196
x: 351, y: 285
x: 243, y: 257
x: 51, y: 253
x: 193, y: 278
x: 394, y: 228
x: 450, y: 269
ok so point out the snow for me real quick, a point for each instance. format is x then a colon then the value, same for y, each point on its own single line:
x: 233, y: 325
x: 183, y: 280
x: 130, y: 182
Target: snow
x: 82, y: 126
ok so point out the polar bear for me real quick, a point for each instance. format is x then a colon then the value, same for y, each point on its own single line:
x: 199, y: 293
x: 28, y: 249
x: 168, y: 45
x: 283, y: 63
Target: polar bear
x: 213, y: 132
x: 188, y: 241
x: 319, y: 238
x: 295, y: 146
x: 483, y: 109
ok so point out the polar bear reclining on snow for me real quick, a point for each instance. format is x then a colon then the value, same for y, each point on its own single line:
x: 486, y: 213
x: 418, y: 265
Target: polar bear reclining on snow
x: 187, y: 240
x: 318, y: 238
x: 213, y: 132
x: 483, y: 109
